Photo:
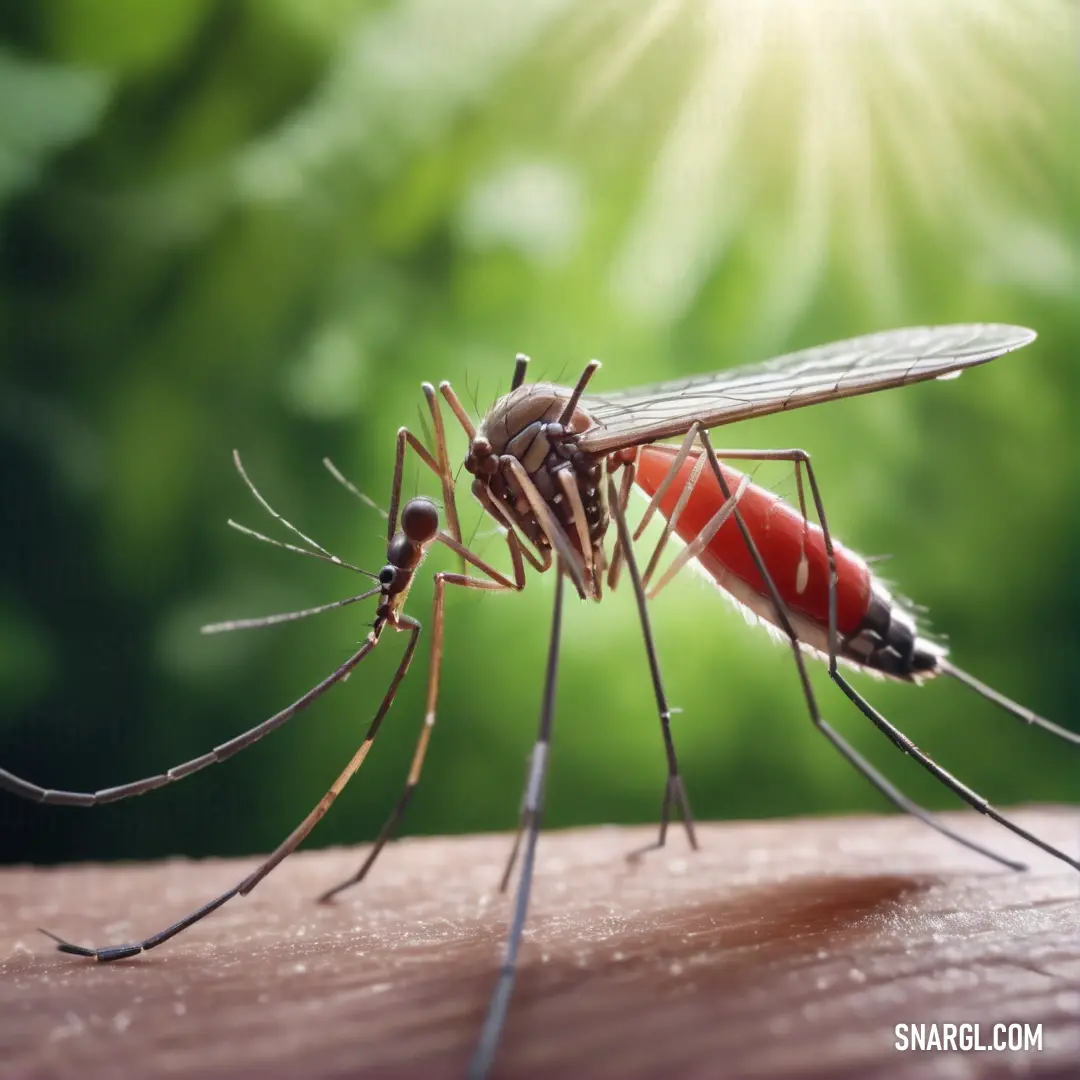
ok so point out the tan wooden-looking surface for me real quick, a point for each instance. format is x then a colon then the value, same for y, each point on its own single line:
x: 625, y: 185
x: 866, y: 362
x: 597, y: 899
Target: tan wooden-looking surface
x: 782, y: 949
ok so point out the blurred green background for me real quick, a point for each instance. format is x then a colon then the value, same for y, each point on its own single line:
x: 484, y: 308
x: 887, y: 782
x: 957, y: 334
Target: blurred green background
x: 262, y: 224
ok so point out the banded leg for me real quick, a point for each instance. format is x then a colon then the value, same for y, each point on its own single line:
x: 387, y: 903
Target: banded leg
x: 676, y: 513
x: 701, y: 541
x: 662, y: 489
x: 446, y: 474
x: 522, y: 483
x: 296, y: 837
x: 484, y: 1056
x: 884, y: 786
x: 518, y: 552
x: 541, y: 561
x: 439, y: 464
x: 674, y: 789
x: 27, y: 790
x: 626, y: 485
x: 497, y: 583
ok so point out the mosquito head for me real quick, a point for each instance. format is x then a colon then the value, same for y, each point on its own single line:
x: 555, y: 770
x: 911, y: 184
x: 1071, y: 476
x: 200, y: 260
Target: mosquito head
x: 405, y: 552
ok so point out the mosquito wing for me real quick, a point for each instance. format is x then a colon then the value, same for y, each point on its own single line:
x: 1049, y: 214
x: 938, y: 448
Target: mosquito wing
x: 842, y: 369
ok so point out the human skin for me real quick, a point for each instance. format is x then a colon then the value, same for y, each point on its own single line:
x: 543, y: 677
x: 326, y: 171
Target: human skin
x: 781, y: 949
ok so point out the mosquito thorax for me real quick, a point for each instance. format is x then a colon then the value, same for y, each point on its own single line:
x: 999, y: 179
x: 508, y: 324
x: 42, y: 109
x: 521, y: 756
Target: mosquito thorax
x: 527, y: 425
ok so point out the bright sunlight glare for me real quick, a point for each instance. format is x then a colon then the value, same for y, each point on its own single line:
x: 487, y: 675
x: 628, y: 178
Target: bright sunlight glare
x: 834, y: 118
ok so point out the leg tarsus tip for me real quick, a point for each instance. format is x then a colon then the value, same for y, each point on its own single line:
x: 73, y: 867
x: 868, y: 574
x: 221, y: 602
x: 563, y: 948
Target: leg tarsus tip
x: 66, y: 946
x: 105, y: 954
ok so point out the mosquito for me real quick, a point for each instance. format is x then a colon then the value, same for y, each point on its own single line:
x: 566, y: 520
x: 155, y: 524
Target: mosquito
x: 555, y: 468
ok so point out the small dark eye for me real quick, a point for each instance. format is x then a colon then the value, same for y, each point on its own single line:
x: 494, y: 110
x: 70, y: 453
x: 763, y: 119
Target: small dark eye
x: 420, y: 520
x: 387, y: 575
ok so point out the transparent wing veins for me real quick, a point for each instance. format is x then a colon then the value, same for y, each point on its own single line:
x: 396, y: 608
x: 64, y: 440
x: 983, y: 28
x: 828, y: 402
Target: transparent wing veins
x: 824, y: 373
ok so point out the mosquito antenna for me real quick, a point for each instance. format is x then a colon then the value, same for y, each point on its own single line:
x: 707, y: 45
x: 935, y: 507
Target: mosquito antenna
x: 1010, y: 706
x: 346, y: 483
x: 288, y: 616
x: 274, y: 514
x: 533, y: 803
x: 327, y: 557
x: 590, y: 370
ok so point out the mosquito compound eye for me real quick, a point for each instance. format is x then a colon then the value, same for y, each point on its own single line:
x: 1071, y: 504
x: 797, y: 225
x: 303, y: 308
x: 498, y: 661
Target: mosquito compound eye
x: 387, y: 575
x: 420, y: 520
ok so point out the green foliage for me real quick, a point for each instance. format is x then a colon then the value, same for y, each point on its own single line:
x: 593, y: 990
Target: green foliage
x: 262, y: 225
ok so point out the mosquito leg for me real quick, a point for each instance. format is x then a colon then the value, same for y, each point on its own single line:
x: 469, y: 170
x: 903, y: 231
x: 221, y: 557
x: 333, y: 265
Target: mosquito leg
x: 669, y: 528
x: 446, y: 474
x: 897, y: 737
x: 676, y: 464
x: 701, y: 541
x: 674, y: 791
x: 891, y: 793
x: 287, y: 846
x: 1019, y: 711
x: 498, y: 583
x: 625, y: 487
x: 572, y: 562
x: 405, y: 439
x: 515, y: 849
x: 488, y: 1045
x: 458, y: 409
x: 439, y: 464
x: 27, y: 790
x: 971, y: 797
x: 577, y: 514
x: 540, y: 562
x: 673, y: 519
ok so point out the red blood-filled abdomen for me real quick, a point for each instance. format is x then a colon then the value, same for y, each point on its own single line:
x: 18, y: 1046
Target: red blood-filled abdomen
x: 778, y: 531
